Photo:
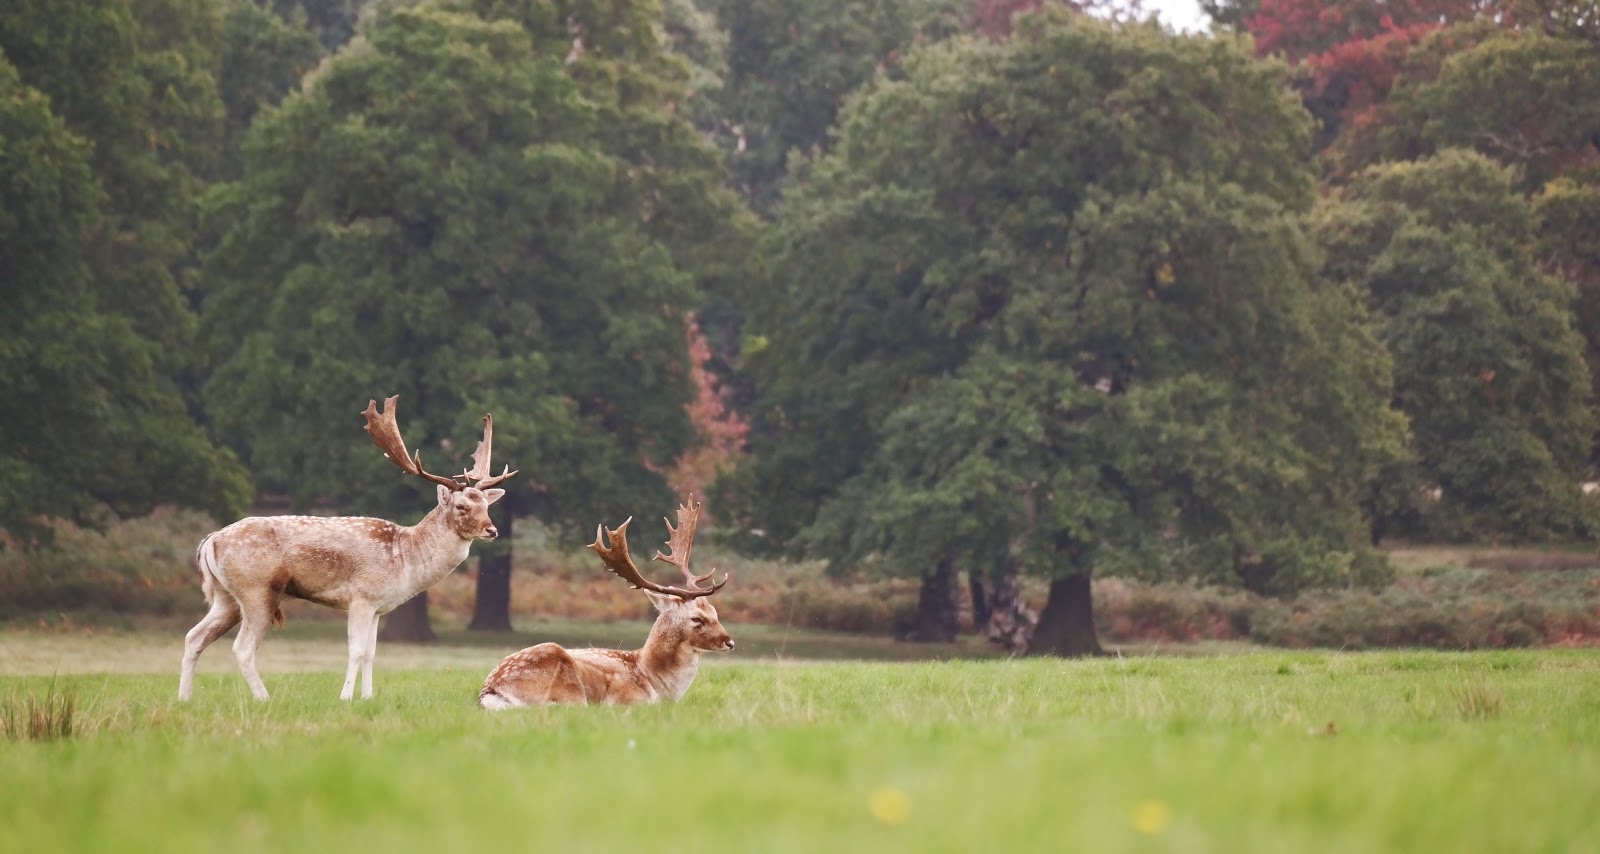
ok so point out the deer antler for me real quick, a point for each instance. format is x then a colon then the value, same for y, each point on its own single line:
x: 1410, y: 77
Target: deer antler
x: 480, y: 459
x: 386, y: 435
x: 617, y: 560
x: 680, y: 541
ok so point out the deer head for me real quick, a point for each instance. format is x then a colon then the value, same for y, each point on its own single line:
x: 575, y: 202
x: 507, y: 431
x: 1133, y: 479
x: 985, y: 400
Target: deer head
x: 684, y: 611
x: 694, y: 620
x: 465, y: 498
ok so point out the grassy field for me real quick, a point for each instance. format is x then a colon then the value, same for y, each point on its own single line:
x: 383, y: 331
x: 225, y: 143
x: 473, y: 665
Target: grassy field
x: 1226, y: 751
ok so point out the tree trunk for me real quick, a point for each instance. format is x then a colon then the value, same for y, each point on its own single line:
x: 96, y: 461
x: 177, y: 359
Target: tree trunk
x: 409, y: 622
x: 491, y: 605
x: 1066, y: 628
x: 937, y: 609
x: 1011, y: 622
x: 980, y: 599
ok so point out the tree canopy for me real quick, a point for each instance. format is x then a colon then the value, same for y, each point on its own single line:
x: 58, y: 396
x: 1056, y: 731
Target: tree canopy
x: 106, y: 119
x: 1093, y: 333
x: 455, y: 212
x: 1488, y: 364
x: 927, y: 287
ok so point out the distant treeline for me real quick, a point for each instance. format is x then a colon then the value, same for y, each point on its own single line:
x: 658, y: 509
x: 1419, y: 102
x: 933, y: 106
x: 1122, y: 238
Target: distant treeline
x: 926, y: 288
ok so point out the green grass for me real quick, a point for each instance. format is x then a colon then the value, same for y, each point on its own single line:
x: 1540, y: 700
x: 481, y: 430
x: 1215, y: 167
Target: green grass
x: 1275, y: 752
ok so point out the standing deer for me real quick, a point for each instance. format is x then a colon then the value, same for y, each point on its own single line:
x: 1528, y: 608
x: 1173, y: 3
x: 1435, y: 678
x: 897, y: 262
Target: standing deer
x: 365, y: 566
x: 663, y: 668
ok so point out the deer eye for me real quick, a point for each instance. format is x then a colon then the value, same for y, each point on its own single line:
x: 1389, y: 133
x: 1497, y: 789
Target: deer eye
x: 699, y: 621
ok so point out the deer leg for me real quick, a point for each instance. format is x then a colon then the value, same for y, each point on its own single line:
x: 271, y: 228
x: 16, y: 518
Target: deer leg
x: 255, y: 617
x: 360, y: 631
x: 224, y: 615
x: 372, y: 654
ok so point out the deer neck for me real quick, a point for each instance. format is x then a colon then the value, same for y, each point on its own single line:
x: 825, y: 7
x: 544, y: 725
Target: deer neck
x: 668, y: 661
x: 430, y: 550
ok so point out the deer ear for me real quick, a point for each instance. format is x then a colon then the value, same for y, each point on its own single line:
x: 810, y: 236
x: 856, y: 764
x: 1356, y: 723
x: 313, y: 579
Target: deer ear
x: 493, y: 495
x: 662, y: 601
x: 444, y: 495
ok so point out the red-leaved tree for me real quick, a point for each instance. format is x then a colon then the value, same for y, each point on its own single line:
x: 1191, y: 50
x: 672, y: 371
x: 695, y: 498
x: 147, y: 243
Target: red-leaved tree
x: 720, y: 431
x: 1352, y: 50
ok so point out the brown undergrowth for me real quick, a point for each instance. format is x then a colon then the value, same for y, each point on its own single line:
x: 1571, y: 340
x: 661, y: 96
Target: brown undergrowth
x: 1445, y: 598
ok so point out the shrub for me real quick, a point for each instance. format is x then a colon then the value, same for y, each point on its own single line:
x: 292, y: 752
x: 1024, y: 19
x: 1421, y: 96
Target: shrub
x: 142, y: 565
x: 1126, y: 610
x: 1481, y: 600
x: 1446, y: 608
x: 572, y: 585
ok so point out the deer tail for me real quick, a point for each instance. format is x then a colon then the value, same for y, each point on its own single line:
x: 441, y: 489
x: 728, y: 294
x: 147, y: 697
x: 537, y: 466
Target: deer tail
x: 205, y: 560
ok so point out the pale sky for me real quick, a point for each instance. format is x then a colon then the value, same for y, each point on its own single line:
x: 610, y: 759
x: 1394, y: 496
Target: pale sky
x: 1182, y: 15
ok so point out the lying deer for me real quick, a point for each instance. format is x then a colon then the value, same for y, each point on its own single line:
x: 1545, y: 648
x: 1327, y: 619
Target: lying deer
x: 365, y: 566
x: 662, y: 669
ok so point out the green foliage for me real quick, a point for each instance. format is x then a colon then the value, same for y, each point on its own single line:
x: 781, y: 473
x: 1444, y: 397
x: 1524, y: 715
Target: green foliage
x: 1048, y: 298
x: 1525, y: 98
x: 1520, y: 97
x: 694, y: 34
x: 453, y: 212
x: 135, y: 81
x: 1442, y: 609
x: 791, y: 66
x: 261, y: 58
x: 1568, y: 215
x: 1488, y: 365
x: 332, y: 22
x: 91, y: 414
x: 143, y: 565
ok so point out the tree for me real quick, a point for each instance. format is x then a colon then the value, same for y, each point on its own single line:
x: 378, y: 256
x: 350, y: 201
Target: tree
x: 719, y: 430
x: 993, y: 17
x: 1348, y: 53
x: 261, y: 58
x: 96, y: 331
x: 1522, y: 98
x: 333, y: 22
x: 466, y: 210
x: 1297, y: 29
x: 791, y: 65
x: 1047, y: 303
x: 1568, y: 215
x: 1512, y: 79
x: 135, y: 80
x: 1488, y: 365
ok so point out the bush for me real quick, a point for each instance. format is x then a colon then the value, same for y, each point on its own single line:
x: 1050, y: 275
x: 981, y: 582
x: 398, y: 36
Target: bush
x: 1451, y: 608
x: 1178, y: 613
x: 1482, y: 600
x: 143, y: 565
x: 572, y: 585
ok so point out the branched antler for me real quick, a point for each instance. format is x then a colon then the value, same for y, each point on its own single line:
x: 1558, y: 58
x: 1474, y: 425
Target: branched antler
x: 480, y: 459
x: 386, y: 435
x: 680, y: 541
x: 618, y: 561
